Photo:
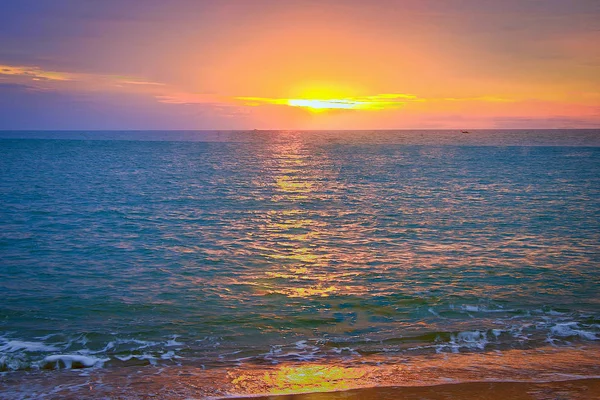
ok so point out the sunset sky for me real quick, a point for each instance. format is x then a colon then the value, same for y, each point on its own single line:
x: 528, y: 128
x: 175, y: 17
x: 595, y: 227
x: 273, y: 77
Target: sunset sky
x: 299, y: 64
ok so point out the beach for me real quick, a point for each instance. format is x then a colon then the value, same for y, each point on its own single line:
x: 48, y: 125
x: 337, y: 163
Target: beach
x: 545, y: 373
x: 577, y: 389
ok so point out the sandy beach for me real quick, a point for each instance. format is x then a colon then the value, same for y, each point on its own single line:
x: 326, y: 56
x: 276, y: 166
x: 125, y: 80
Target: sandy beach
x: 545, y: 373
x: 572, y: 390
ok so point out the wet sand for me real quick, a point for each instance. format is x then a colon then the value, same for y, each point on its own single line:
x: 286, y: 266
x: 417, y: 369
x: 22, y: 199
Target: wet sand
x: 571, y: 390
x: 543, y: 373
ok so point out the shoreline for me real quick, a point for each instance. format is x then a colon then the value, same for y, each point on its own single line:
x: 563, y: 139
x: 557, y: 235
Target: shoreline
x: 573, y: 389
x: 368, y: 376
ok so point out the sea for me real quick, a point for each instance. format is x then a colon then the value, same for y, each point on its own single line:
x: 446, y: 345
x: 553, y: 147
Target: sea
x: 203, y: 264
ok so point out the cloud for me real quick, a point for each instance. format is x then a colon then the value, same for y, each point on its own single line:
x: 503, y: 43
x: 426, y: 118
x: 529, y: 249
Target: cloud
x: 383, y: 101
x: 78, y: 84
x: 24, y: 107
x: 36, y: 78
x: 133, y: 82
x: 34, y: 73
x: 38, y: 91
x: 372, y: 102
x: 37, y: 74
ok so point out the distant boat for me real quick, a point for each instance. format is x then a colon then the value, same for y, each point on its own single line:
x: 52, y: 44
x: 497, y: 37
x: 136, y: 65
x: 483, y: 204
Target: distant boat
x: 464, y: 131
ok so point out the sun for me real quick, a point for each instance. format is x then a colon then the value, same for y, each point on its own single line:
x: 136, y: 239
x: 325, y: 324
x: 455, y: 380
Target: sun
x: 322, y: 97
x: 317, y: 105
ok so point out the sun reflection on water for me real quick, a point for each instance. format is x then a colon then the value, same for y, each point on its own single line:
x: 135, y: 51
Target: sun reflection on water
x: 305, y: 378
x: 513, y: 365
x: 300, y: 269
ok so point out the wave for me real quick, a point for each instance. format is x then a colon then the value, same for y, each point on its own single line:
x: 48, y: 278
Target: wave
x: 80, y: 351
x: 571, y: 329
x: 18, y: 354
x: 71, y: 361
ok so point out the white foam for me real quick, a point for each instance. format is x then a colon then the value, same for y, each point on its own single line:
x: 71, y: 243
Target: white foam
x: 306, y: 353
x: 17, y: 345
x: 472, y: 338
x: 567, y: 329
x: 69, y: 359
x: 469, y: 339
x: 148, y: 357
x: 302, y: 344
x: 143, y: 343
x: 108, y: 346
x: 174, y: 342
x: 125, y: 358
x: 46, y: 337
x: 471, y: 308
x: 348, y: 350
x: 169, y: 355
x: 555, y: 313
x: 12, y: 363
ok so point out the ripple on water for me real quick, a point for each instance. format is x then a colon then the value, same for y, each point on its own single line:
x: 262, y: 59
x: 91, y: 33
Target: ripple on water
x: 294, y: 246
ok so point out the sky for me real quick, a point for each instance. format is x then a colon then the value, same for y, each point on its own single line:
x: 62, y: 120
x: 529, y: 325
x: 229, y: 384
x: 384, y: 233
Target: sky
x: 299, y: 64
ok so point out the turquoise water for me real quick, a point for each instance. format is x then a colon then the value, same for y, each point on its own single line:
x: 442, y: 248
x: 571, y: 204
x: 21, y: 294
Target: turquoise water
x: 221, y: 248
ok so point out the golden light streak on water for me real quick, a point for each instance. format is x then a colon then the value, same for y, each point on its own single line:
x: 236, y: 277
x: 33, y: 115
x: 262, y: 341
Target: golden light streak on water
x: 515, y: 365
x: 308, y: 378
x: 300, y: 272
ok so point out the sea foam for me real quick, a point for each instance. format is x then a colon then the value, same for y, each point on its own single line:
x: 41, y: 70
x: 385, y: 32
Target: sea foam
x: 72, y: 361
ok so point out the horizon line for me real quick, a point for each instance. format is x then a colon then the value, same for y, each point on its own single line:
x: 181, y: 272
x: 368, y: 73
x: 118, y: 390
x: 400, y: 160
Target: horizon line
x: 463, y: 130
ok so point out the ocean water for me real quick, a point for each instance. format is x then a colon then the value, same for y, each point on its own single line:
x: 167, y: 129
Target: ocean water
x: 208, y: 250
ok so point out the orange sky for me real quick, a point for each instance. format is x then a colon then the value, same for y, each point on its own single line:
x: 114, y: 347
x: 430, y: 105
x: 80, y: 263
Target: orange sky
x: 306, y: 64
